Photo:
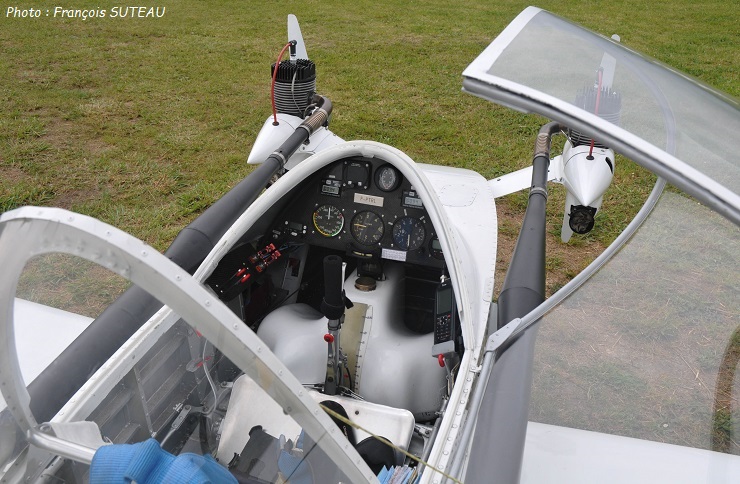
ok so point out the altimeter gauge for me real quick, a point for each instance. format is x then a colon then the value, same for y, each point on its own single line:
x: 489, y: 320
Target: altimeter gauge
x: 328, y: 220
x: 367, y: 228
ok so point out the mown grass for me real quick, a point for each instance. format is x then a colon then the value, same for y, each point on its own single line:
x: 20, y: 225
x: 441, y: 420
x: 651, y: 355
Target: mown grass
x: 649, y: 348
x: 145, y: 122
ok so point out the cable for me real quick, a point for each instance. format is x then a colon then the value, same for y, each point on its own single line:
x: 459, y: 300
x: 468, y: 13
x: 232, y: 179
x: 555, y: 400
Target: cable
x: 292, y: 91
x: 274, y: 76
x: 210, y: 380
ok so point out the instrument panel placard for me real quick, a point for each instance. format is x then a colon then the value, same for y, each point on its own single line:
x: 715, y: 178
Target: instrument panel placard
x: 373, y: 200
x: 391, y: 254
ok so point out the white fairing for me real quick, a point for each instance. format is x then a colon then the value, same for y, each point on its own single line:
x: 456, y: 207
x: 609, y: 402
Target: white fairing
x: 586, y: 180
x: 271, y: 136
x: 59, y: 328
x: 559, y: 454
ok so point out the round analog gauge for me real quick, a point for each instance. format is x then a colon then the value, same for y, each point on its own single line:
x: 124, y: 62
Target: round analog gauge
x: 367, y: 228
x: 328, y: 220
x: 408, y: 233
x: 387, y: 178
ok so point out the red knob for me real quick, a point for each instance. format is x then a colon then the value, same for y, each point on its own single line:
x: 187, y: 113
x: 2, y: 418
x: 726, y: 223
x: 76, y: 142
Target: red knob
x: 441, y: 360
x: 328, y: 338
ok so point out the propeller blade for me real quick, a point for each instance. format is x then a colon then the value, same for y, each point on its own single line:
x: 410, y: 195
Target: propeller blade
x: 294, y: 33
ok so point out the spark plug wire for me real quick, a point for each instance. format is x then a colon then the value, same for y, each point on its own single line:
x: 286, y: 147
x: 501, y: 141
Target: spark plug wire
x: 274, y: 76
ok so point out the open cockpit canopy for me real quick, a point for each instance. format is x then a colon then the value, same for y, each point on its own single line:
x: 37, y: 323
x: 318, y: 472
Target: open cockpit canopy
x: 673, y: 125
x: 644, y: 343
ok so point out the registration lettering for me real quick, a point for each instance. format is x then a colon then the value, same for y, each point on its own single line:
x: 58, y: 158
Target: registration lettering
x: 369, y: 199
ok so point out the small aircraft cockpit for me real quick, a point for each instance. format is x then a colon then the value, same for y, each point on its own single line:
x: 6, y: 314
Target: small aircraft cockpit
x: 399, y: 320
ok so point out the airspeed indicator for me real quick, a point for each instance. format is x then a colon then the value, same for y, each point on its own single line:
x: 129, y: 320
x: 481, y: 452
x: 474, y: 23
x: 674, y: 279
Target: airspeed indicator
x: 328, y: 220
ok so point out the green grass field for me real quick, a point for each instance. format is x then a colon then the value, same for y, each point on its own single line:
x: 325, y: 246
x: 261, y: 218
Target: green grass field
x: 145, y: 122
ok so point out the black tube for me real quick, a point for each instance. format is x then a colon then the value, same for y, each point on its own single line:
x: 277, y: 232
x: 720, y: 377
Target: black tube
x: 74, y: 366
x: 194, y: 242
x: 333, y: 304
x: 524, y: 285
x: 499, y: 445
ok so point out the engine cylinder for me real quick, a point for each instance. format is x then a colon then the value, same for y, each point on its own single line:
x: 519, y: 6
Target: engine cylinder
x: 295, y: 84
x: 609, y: 108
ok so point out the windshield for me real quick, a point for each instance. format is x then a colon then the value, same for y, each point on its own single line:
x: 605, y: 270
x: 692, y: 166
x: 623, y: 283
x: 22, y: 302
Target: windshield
x: 649, y: 346
x: 205, y: 385
x: 668, y: 122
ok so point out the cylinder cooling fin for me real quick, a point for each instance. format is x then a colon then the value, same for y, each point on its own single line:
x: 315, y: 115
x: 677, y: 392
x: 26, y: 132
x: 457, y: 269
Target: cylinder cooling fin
x: 295, y: 84
x: 609, y: 108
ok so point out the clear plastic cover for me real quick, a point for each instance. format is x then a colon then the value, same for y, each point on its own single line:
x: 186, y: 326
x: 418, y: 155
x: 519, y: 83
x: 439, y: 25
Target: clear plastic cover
x: 203, y: 384
x: 549, y: 60
x: 649, y: 346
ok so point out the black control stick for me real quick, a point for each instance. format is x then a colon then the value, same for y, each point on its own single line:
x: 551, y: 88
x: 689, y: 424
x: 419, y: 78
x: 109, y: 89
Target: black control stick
x: 333, y: 308
x: 333, y: 304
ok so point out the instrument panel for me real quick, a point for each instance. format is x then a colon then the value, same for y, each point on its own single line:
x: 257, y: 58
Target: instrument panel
x: 363, y: 207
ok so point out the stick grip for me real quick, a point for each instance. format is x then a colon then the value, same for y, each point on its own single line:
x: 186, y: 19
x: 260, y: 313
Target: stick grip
x: 333, y: 304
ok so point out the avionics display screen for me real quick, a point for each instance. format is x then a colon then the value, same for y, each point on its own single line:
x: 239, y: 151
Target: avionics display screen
x: 444, y: 300
x: 412, y: 202
x: 329, y: 190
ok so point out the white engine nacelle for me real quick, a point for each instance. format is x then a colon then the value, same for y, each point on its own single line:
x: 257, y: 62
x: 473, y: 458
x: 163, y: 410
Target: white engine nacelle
x: 586, y: 179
